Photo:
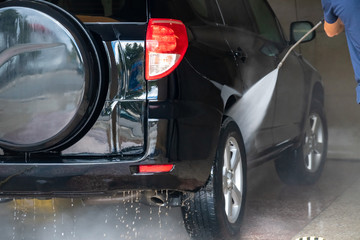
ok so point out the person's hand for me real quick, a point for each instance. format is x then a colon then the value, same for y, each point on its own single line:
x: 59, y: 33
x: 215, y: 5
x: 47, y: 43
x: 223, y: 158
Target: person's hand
x: 333, y: 29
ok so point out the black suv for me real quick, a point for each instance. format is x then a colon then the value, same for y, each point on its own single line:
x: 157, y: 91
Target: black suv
x: 102, y: 96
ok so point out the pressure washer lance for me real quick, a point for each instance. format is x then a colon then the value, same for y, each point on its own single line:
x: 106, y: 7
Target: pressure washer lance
x: 298, y: 42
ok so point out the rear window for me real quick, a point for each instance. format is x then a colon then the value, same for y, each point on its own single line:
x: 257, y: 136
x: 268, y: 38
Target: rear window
x: 105, y: 10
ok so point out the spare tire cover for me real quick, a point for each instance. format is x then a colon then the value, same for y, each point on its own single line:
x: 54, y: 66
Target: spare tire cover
x: 50, y: 77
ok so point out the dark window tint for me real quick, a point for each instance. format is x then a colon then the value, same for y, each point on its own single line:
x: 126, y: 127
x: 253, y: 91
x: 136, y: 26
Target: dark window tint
x: 235, y: 13
x: 122, y: 10
x: 193, y: 12
x: 206, y: 10
x: 266, y: 21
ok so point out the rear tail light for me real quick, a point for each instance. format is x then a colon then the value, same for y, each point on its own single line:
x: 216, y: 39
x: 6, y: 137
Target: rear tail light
x: 166, y: 44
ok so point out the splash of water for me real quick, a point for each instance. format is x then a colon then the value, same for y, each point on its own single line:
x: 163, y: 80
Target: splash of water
x: 60, y: 219
x: 250, y: 111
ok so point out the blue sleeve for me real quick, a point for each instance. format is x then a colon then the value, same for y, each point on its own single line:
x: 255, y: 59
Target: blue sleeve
x: 358, y: 93
x: 329, y: 14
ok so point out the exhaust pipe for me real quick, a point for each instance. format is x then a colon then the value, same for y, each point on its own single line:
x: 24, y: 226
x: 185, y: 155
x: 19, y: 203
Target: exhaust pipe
x: 163, y: 198
x: 156, y: 199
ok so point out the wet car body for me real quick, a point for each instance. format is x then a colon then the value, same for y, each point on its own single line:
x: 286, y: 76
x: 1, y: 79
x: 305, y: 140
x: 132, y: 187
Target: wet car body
x: 179, y: 124
x: 79, y: 118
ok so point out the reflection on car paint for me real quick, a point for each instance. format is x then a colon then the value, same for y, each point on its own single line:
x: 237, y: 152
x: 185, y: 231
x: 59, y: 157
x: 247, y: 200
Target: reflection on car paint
x: 125, y: 99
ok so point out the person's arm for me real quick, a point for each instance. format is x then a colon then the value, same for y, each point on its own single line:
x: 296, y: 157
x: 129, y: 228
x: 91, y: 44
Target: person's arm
x: 333, y: 29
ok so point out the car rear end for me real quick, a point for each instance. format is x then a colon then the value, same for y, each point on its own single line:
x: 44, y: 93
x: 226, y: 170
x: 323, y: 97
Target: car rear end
x: 84, y: 101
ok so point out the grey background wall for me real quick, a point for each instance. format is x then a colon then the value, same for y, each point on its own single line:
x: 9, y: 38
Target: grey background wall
x: 330, y: 56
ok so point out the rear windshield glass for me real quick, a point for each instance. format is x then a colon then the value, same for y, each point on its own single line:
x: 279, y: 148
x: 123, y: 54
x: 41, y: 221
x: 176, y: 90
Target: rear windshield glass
x: 105, y: 10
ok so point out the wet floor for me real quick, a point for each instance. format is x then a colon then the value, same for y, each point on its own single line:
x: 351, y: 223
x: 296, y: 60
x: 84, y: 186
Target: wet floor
x: 274, y: 211
x: 281, y: 212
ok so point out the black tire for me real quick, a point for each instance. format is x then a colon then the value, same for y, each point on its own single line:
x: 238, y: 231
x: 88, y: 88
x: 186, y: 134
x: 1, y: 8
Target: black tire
x: 305, y: 164
x: 204, y: 211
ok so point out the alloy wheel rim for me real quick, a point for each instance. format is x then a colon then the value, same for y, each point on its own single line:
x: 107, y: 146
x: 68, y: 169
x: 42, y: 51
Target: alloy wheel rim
x: 232, y: 180
x: 314, y: 143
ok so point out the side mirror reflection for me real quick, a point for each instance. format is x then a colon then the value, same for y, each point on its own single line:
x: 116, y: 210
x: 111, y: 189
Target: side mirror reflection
x: 299, y: 29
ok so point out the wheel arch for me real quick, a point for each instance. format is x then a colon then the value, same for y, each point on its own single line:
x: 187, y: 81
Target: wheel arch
x: 318, y: 93
x: 228, y: 103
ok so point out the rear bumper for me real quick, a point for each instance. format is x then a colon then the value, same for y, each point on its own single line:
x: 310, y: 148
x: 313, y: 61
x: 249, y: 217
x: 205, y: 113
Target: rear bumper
x: 94, y: 179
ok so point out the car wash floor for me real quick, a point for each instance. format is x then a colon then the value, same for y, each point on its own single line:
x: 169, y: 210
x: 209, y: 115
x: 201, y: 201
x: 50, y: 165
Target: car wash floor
x: 329, y: 209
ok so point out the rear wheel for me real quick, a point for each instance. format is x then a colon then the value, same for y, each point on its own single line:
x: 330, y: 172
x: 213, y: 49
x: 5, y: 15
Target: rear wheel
x: 216, y: 210
x: 304, y: 165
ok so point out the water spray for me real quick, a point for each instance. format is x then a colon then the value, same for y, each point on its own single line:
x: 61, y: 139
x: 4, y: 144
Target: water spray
x: 249, y: 112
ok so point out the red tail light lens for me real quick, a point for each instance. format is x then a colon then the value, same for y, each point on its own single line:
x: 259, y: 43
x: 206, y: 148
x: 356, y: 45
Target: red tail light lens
x: 155, y: 168
x: 166, y: 44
